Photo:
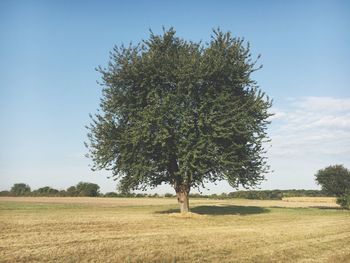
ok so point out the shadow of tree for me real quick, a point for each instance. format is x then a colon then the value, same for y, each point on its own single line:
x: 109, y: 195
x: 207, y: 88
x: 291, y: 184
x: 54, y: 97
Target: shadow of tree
x: 322, y: 207
x: 221, y: 210
x: 326, y: 207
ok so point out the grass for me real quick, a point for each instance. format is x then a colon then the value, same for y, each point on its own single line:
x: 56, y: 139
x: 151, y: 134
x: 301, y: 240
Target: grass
x: 150, y: 230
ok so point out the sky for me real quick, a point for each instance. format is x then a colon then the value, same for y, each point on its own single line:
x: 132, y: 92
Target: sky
x: 49, y: 51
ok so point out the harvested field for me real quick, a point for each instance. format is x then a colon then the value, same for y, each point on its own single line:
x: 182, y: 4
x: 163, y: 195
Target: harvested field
x: 149, y: 230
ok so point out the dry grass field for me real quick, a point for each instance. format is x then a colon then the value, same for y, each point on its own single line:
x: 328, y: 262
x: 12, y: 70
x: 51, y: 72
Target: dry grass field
x: 149, y: 230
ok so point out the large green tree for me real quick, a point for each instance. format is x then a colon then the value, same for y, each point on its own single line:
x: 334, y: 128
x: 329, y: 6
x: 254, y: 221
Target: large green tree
x: 183, y: 113
x: 335, y: 180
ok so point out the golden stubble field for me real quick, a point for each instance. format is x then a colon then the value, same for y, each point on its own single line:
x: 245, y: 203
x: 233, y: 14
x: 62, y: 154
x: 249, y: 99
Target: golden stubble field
x: 149, y: 230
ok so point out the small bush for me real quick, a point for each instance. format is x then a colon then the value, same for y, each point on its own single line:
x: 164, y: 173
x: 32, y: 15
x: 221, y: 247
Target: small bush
x: 344, y: 201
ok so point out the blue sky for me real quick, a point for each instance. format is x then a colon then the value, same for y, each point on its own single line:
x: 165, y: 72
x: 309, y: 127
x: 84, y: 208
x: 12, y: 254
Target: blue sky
x: 49, y: 50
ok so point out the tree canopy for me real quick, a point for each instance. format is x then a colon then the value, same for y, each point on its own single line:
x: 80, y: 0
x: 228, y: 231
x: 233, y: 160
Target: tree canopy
x: 86, y: 189
x: 183, y: 113
x: 46, y: 191
x: 20, y: 189
x: 334, y: 179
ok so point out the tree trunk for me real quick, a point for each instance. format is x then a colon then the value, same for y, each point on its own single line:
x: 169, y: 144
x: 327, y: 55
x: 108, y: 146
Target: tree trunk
x: 182, y: 198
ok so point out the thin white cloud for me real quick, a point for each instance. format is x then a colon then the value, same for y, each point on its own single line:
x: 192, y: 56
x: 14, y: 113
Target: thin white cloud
x: 341, y: 122
x: 323, y: 104
x: 312, y: 125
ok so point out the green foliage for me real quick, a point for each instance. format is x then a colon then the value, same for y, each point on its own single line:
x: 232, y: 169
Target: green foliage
x: 177, y: 112
x: 252, y: 194
x: 87, y: 189
x: 334, y: 179
x: 72, y: 191
x: 110, y: 194
x: 62, y: 193
x: 46, y: 191
x: 81, y: 189
x: 344, y: 201
x: 5, y: 193
x: 263, y: 194
x: 129, y: 195
x: 303, y: 192
x: 20, y: 189
x: 260, y: 195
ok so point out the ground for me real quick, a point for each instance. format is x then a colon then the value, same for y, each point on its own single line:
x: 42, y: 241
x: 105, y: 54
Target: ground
x: 151, y: 230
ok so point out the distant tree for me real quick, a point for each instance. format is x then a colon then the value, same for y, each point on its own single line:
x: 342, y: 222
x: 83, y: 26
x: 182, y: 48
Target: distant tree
x: 20, y: 189
x: 72, y: 191
x: 335, y: 180
x: 179, y: 112
x: 111, y: 194
x: 46, y: 191
x: 197, y: 195
x: 223, y: 195
x: 87, y: 189
x: 5, y: 193
x: 62, y: 193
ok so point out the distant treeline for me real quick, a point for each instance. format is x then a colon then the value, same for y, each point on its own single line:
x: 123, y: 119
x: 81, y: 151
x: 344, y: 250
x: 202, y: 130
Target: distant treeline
x: 248, y: 194
x: 264, y: 194
x: 81, y: 189
x: 91, y: 189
